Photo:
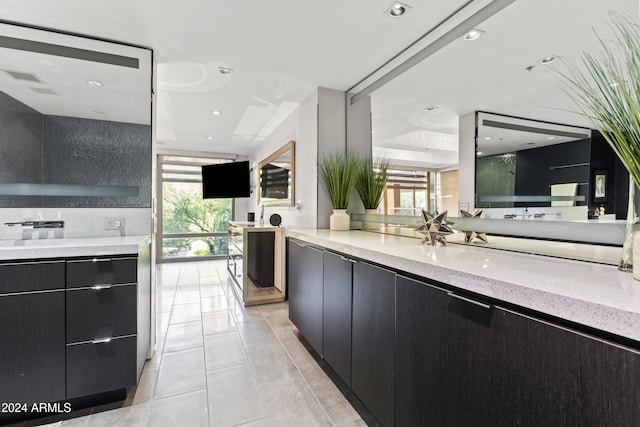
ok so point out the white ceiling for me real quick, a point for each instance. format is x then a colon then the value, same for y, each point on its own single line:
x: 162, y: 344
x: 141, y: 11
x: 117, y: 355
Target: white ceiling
x: 489, y: 74
x: 62, y: 86
x: 281, y: 50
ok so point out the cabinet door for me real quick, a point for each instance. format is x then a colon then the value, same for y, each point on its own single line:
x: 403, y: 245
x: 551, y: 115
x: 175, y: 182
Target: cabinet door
x: 101, y: 313
x: 101, y: 271
x: 372, y: 374
x: 467, y: 363
x: 336, y: 314
x: 32, y: 350
x: 97, y: 367
x: 448, y: 369
x: 305, y: 292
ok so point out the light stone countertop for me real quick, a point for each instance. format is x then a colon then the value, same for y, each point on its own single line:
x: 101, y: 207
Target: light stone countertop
x: 594, y: 295
x: 73, y: 247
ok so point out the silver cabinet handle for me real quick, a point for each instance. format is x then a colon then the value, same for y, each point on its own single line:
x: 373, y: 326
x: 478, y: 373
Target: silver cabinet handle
x: 348, y: 259
x: 470, y: 301
x: 98, y: 287
x: 101, y: 341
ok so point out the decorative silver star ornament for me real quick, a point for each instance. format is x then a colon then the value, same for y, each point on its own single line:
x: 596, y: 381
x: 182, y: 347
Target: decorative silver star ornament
x: 471, y: 235
x: 434, y: 227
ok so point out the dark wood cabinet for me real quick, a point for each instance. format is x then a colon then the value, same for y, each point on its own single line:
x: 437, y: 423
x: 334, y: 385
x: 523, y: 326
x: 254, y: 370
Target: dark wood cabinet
x: 336, y: 314
x: 101, y: 312
x: 373, y: 339
x: 460, y: 361
x: 100, y: 366
x: 101, y: 325
x: 72, y: 328
x: 305, y: 267
x: 32, y: 351
x: 101, y: 271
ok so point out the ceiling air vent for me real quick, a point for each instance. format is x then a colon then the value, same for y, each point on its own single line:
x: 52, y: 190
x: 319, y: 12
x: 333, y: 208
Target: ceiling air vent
x: 26, y: 77
x: 44, y: 90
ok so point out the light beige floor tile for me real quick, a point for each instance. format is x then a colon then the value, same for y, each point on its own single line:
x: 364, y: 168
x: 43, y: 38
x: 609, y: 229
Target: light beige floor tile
x: 185, y: 313
x: 211, y: 290
x: 187, y: 297
x: 190, y: 287
x: 257, y: 334
x: 224, y: 350
x: 189, y: 409
x: 162, y: 322
x: 130, y: 416
x: 233, y: 397
x: 183, y: 336
x: 214, y: 303
x: 165, y: 304
x: 181, y: 372
x: 218, y: 322
x: 245, y: 314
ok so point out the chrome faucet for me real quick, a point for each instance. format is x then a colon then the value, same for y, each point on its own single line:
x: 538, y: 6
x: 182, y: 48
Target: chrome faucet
x: 262, y: 213
x: 37, y: 224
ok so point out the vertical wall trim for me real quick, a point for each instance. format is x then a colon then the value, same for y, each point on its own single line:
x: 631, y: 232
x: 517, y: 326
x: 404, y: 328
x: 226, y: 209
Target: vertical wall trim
x: 332, y: 137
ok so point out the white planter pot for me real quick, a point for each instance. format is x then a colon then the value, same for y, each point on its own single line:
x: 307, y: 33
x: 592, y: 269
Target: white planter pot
x: 339, y: 220
x: 370, y: 225
x: 636, y: 255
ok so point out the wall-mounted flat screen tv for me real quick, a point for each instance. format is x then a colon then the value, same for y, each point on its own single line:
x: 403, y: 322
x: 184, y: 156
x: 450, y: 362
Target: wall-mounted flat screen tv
x: 226, y: 180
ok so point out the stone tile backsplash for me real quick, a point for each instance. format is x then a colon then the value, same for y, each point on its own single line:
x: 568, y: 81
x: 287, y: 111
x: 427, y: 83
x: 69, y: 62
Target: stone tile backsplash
x: 78, y: 222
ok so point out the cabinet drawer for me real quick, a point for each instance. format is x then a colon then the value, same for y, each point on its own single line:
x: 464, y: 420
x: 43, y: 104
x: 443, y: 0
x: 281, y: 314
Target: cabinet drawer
x: 31, y: 276
x: 101, y: 271
x: 95, y: 368
x: 99, y: 313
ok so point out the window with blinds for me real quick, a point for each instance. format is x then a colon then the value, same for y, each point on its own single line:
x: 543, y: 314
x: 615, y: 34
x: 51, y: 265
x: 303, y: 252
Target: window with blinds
x: 190, y: 227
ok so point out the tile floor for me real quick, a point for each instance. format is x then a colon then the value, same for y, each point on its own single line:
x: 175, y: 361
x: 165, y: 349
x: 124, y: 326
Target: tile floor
x: 220, y: 364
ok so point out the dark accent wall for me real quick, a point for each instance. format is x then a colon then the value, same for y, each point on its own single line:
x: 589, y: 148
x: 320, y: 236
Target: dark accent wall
x: 96, y: 152
x: 36, y: 148
x: 20, y: 148
x: 538, y: 168
x: 604, y: 158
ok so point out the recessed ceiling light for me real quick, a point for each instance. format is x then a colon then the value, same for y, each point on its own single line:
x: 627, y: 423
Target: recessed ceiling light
x: 479, y: 153
x: 95, y: 82
x: 549, y: 138
x: 397, y: 9
x: 210, y: 138
x: 473, y: 35
x: 216, y: 112
x: 487, y: 138
x: 224, y: 70
x: 549, y: 59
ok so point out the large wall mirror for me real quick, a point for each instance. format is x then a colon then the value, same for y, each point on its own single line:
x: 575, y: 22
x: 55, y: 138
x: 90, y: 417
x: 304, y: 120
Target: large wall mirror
x: 528, y: 169
x: 75, y: 121
x: 276, y: 177
x: 425, y: 117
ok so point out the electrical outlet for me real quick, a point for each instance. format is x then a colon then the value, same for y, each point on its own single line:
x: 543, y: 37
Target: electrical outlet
x: 114, y: 223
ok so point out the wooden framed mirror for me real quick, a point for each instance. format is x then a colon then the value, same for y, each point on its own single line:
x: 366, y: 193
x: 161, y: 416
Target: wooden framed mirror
x: 276, y: 177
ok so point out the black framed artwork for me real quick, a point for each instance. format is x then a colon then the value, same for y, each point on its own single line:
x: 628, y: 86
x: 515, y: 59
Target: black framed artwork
x: 600, y: 186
